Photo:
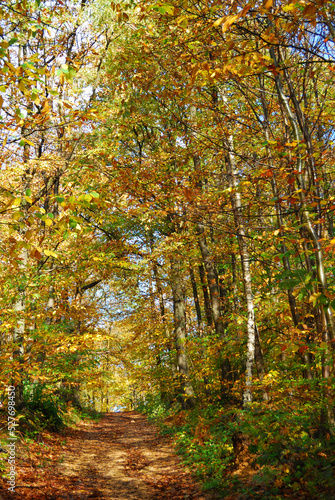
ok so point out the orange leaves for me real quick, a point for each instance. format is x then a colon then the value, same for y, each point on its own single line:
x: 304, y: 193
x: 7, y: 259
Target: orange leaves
x: 268, y: 4
x: 267, y: 174
x: 227, y: 21
x: 189, y: 194
x: 35, y: 254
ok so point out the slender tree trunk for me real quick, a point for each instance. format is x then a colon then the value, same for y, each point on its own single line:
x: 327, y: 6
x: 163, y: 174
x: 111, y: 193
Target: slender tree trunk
x: 234, y: 284
x: 321, y: 276
x: 19, y: 332
x: 196, y: 297
x: 165, y: 395
x: 207, y: 304
x: 251, y: 326
x: 187, y: 392
x: 212, y: 277
x: 160, y: 294
x: 259, y: 358
x: 20, y: 305
x: 212, y: 281
x: 199, y: 319
x: 220, y: 330
x: 280, y: 223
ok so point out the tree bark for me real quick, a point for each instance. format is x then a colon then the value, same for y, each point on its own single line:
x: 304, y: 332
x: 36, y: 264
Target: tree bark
x: 207, y: 304
x: 245, y: 259
x: 179, y: 311
x: 196, y: 297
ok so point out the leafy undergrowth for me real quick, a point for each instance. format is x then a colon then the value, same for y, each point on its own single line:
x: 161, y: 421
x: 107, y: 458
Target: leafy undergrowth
x: 40, y: 431
x: 267, y: 452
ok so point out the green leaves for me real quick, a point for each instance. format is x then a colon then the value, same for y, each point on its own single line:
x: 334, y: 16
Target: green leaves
x: 163, y: 8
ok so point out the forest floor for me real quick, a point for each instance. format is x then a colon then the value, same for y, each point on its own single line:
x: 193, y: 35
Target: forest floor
x: 121, y: 457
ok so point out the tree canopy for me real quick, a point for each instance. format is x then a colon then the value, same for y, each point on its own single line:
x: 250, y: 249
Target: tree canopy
x: 167, y: 213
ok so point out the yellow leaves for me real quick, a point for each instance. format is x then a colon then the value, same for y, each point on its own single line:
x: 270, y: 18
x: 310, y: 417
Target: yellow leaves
x: 289, y: 7
x: 219, y: 21
x: 17, y: 202
x: 273, y: 374
x: 46, y: 107
x: 67, y: 105
x: 22, y: 86
x: 36, y: 99
x: 48, y: 222
x: 216, y: 73
x: 17, y: 215
x: 226, y: 21
x: 1, y: 101
x: 29, y: 142
x: 313, y: 298
x: 29, y: 234
x: 11, y: 68
x: 50, y: 253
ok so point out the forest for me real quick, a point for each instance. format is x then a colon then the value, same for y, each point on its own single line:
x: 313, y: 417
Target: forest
x: 167, y: 199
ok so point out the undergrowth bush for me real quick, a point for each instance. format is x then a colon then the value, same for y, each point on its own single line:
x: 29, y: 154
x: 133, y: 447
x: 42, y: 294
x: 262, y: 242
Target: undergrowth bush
x: 156, y: 408
x: 46, y: 407
x: 286, y: 455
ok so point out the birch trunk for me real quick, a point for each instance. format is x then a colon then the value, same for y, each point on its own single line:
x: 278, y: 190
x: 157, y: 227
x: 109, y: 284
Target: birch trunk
x: 19, y: 332
x: 245, y: 259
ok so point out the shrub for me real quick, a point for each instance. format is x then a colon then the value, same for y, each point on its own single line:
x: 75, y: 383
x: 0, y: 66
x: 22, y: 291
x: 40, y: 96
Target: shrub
x: 46, y: 406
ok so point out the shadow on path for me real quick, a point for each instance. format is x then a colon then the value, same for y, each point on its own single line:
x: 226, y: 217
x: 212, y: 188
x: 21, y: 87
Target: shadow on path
x: 120, y: 458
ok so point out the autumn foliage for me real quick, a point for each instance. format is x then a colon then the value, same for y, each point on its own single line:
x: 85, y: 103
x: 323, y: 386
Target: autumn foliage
x: 167, y: 225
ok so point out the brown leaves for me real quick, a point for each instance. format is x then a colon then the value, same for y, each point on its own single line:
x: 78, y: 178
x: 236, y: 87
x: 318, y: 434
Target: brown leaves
x: 136, y: 461
x: 310, y: 11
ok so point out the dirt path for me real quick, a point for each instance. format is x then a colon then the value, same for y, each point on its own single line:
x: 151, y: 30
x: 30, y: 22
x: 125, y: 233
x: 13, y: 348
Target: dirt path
x: 120, y: 458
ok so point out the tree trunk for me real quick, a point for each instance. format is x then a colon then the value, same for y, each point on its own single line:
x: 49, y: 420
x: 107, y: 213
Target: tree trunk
x: 187, y: 392
x: 196, y: 297
x: 207, y: 304
x: 19, y: 332
x: 220, y: 330
x: 245, y: 259
x: 321, y: 276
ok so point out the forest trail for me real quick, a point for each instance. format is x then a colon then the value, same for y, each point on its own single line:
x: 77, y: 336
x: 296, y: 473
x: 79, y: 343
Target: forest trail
x: 121, y: 457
